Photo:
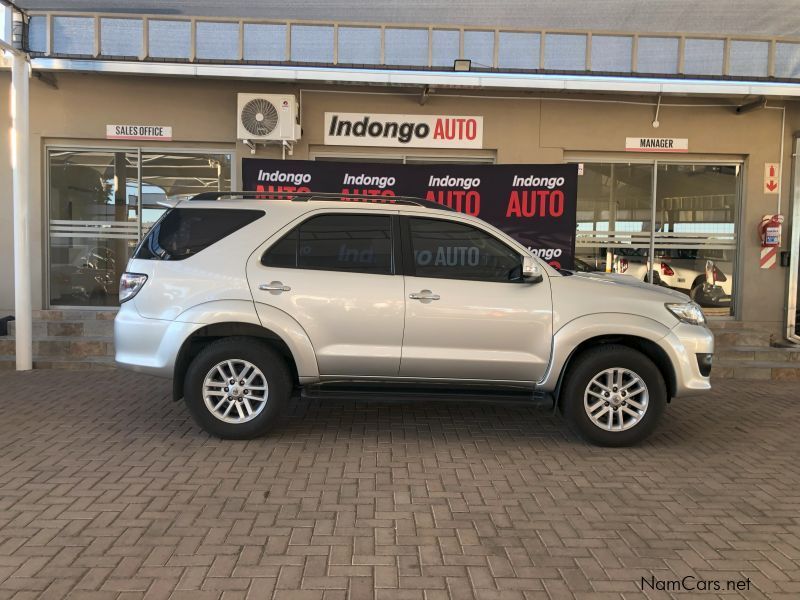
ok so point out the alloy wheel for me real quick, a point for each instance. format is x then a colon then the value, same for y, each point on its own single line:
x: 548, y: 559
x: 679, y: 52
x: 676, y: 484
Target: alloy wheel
x: 235, y: 391
x: 616, y: 399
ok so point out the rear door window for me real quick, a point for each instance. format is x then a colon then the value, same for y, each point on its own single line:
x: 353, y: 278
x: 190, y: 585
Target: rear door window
x: 354, y: 243
x: 183, y: 232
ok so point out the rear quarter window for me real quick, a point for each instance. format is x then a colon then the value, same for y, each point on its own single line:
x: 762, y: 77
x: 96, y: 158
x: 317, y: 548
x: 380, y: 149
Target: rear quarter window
x: 184, y: 232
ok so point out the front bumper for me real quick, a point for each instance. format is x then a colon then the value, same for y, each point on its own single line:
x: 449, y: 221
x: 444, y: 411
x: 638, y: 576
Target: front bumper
x: 683, y: 344
x: 148, y: 345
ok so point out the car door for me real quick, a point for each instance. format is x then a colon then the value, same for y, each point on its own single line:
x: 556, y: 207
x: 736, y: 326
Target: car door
x: 334, y: 274
x: 466, y: 316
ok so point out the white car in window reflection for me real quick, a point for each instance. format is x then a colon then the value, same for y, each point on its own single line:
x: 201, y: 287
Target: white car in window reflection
x: 707, y: 281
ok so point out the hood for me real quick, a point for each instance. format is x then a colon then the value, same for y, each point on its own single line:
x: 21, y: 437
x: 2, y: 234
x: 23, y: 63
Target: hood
x: 618, y: 279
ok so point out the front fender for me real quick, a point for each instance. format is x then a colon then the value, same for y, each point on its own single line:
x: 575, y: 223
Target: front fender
x: 579, y: 330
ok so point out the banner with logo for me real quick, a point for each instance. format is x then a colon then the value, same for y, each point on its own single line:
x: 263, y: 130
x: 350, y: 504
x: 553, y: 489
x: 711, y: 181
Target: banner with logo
x: 535, y: 204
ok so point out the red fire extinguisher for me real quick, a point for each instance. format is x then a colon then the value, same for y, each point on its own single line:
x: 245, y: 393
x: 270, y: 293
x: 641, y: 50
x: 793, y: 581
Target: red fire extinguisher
x: 769, y: 230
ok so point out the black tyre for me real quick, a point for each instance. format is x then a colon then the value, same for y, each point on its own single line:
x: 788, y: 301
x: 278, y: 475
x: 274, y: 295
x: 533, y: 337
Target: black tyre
x: 613, y: 395
x: 236, y: 388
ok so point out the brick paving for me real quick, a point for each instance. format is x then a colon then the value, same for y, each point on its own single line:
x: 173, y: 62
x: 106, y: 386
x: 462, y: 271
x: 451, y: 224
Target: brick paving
x: 108, y: 490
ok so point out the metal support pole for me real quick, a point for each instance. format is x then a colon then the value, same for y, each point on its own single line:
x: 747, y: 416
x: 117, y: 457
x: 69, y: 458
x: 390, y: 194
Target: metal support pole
x: 20, y: 157
x: 654, y: 199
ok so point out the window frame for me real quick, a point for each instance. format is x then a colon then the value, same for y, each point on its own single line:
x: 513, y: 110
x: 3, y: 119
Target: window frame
x: 408, y: 248
x: 395, y: 260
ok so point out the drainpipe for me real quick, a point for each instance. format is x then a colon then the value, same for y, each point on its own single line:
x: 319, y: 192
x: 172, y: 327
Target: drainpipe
x: 20, y: 155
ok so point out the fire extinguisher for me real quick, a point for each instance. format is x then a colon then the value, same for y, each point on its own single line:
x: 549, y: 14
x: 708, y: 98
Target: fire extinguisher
x: 769, y: 230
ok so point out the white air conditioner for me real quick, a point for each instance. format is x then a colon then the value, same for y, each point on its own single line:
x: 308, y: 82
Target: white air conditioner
x: 267, y: 118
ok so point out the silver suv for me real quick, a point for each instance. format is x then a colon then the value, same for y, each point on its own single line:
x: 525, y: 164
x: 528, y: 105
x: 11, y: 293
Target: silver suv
x: 241, y: 298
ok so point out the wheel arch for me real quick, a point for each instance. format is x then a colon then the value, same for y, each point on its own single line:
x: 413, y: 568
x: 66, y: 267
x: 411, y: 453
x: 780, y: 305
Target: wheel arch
x: 643, y: 345
x: 201, y: 337
x: 640, y: 333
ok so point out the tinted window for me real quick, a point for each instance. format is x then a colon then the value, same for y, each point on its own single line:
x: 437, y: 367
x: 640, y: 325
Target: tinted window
x: 183, y: 232
x: 456, y: 251
x: 357, y: 243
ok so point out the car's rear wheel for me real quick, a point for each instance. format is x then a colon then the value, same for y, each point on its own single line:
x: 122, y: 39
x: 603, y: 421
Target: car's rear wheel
x: 235, y: 388
x: 614, y: 395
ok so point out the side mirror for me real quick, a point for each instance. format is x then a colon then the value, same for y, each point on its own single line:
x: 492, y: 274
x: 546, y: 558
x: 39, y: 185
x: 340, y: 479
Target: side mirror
x: 531, y: 272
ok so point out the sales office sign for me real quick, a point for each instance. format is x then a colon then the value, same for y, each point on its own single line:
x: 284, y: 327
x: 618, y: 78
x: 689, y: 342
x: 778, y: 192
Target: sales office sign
x: 139, y: 132
x: 403, y: 131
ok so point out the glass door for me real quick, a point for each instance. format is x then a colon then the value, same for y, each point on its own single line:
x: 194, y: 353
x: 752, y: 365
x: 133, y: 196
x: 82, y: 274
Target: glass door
x: 672, y: 224
x: 93, y: 216
x: 695, y: 237
x: 101, y: 201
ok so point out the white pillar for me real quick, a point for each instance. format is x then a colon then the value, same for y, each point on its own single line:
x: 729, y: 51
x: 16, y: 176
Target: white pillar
x: 20, y: 156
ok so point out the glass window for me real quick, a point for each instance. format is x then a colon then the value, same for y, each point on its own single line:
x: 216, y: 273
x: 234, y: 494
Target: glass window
x: 518, y: 50
x: 787, y: 60
x: 450, y: 250
x: 121, y: 37
x: 183, y: 232
x: 37, y: 34
x: 565, y: 52
x: 444, y: 49
x: 614, y: 215
x: 355, y: 243
x: 73, y: 35
x: 695, y: 238
x: 703, y: 56
x: 218, y: 41
x: 169, y: 175
x: 96, y: 213
x: 406, y: 47
x: 169, y: 39
x: 93, y: 197
x: 359, y: 45
x: 657, y: 55
x: 264, y: 42
x: 612, y: 53
x: 479, y: 48
x: 694, y: 234
x: 748, y: 58
x: 312, y: 43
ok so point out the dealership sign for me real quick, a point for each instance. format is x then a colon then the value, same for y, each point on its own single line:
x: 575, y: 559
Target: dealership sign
x: 138, y: 132
x: 403, y: 131
x: 649, y: 144
x: 535, y: 204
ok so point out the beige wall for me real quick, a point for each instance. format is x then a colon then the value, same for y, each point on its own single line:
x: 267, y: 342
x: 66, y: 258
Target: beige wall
x: 516, y: 129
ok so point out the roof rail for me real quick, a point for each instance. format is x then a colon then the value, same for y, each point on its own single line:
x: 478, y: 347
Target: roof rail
x: 321, y: 196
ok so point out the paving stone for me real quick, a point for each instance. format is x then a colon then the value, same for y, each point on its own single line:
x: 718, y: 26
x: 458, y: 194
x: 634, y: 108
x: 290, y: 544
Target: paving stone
x: 109, y: 490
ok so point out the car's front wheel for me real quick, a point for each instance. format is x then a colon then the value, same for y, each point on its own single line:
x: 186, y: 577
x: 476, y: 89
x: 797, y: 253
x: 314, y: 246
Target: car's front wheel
x: 614, y: 395
x: 235, y: 388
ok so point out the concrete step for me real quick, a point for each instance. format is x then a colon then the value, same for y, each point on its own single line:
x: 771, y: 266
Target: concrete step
x: 725, y: 368
x: 749, y: 354
x: 730, y: 338
x: 68, y: 328
x: 76, y: 348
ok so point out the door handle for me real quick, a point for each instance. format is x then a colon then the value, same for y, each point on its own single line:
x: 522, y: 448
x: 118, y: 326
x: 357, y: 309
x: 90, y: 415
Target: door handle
x: 274, y: 287
x: 424, y: 295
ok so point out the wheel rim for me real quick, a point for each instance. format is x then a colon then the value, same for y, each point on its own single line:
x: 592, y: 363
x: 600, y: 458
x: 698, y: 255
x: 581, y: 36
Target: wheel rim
x: 235, y: 391
x: 616, y: 399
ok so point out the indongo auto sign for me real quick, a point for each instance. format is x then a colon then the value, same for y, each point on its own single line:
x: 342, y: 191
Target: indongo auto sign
x: 409, y: 131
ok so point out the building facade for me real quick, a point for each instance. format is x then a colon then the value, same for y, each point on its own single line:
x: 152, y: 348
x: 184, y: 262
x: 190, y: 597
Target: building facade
x: 685, y: 172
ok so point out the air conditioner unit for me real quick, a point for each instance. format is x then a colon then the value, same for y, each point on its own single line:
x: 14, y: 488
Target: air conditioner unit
x: 267, y: 118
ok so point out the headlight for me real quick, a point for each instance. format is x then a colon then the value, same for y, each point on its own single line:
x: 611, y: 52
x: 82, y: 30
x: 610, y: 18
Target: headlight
x: 129, y: 285
x: 688, y: 312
